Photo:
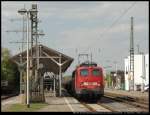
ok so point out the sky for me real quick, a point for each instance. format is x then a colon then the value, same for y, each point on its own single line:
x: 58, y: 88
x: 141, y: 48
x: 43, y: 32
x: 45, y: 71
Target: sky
x: 82, y: 27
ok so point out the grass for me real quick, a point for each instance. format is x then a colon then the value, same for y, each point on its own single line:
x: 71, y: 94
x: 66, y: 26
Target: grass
x: 23, y: 107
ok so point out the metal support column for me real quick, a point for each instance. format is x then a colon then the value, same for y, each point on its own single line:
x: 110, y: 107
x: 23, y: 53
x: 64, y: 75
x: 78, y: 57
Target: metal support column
x: 28, y: 104
x: 54, y: 86
x: 131, y: 57
x: 91, y: 57
x: 60, y: 75
x: 21, y: 73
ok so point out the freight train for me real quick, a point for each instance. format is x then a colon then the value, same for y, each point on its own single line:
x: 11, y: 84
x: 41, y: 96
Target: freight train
x: 87, y: 81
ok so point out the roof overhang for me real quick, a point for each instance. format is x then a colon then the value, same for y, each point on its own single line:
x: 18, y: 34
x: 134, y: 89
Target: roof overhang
x: 48, y: 57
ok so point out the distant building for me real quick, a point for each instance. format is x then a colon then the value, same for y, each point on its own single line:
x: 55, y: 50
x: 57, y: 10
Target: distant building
x: 117, y: 79
x: 141, y: 71
x: 147, y: 69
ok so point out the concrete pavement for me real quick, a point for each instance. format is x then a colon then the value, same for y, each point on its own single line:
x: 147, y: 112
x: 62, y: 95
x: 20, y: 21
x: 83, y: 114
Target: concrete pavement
x: 63, y: 104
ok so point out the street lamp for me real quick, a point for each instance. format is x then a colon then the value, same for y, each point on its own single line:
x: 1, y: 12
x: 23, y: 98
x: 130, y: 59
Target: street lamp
x: 23, y: 12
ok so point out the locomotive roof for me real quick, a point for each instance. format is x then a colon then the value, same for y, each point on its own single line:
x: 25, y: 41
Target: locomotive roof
x: 88, y: 63
x: 82, y: 67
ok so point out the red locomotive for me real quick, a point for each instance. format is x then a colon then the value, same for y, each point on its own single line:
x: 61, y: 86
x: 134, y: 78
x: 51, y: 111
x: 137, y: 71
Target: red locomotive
x: 87, y: 81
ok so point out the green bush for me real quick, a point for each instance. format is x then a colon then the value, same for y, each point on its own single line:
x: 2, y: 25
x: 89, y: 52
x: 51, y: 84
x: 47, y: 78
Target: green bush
x: 9, y: 72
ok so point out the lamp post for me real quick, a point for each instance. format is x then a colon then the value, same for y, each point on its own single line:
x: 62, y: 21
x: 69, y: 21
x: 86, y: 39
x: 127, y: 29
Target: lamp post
x: 23, y: 12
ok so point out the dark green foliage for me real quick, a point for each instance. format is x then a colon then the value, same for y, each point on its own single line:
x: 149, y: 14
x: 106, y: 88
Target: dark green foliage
x: 108, y: 79
x: 9, y: 71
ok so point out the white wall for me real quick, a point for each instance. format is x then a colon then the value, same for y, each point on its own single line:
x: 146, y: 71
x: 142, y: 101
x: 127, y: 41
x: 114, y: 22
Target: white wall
x: 126, y: 73
x: 141, y: 68
x: 138, y: 69
x: 146, y: 69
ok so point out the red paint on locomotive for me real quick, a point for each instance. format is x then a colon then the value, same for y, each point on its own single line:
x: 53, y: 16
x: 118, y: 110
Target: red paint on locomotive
x: 88, y: 80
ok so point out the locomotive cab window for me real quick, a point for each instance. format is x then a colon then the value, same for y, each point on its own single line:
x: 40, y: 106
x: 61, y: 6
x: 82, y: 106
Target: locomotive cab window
x: 96, y: 72
x: 84, y: 72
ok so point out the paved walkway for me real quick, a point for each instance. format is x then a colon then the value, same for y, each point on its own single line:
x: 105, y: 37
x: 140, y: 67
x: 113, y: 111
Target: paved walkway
x: 134, y: 94
x: 63, y: 104
x: 8, y: 102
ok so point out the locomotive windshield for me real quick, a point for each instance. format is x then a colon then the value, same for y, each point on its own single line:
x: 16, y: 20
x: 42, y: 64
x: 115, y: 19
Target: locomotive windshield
x: 84, y: 72
x: 96, y: 72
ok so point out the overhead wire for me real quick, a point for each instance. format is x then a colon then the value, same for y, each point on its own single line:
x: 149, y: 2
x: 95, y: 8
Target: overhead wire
x: 115, y: 22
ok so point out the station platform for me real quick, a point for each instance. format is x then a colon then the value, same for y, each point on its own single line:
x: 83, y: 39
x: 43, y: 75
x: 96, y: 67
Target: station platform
x: 138, y: 95
x: 8, y: 102
x: 63, y: 104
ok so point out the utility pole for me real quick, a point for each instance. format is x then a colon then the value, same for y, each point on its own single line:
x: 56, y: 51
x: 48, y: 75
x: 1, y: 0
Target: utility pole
x: 131, y: 83
x: 99, y: 51
x: 60, y: 75
x: 22, y: 46
x: 54, y: 84
x: 138, y: 48
x: 33, y: 18
x: 82, y: 55
x: 27, y: 13
x: 35, y: 74
x: 91, y: 57
x: 31, y: 15
x: 22, y: 12
x: 116, y: 78
x: 28, y: 101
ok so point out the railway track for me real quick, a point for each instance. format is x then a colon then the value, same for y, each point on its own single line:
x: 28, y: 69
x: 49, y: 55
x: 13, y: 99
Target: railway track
x: 120, y: 105
x: 96, y: 107
x: 111, y: 104
x: 91, y: 106
x: 129, y: 100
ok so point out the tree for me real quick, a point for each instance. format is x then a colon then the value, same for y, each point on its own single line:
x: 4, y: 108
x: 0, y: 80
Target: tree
x: 9, y: 70
x: 6, y: 66
x: 109, y: 80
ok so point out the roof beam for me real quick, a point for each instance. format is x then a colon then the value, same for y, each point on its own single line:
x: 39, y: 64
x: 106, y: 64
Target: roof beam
x: 52, y: 59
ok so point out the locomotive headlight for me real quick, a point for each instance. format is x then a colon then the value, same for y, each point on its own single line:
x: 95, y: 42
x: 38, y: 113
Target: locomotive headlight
x: 81, y: 84
x: 94, y: 83
x: 85, y: 83
x: 98, y: 84
x: 90, y: 83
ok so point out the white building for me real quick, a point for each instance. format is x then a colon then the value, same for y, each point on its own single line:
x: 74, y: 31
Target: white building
x: 147, y: 69
x: 141, y: 70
